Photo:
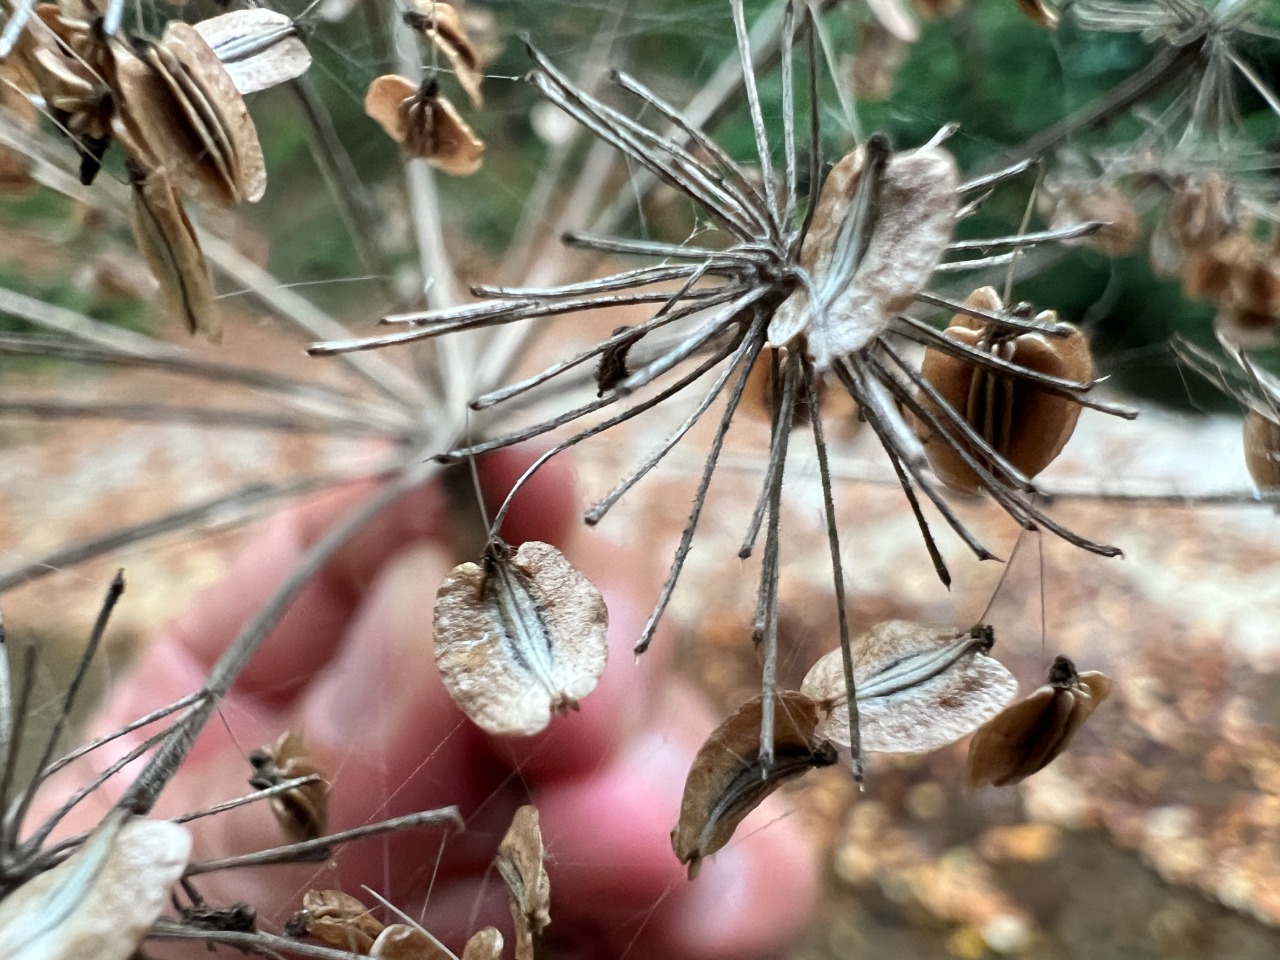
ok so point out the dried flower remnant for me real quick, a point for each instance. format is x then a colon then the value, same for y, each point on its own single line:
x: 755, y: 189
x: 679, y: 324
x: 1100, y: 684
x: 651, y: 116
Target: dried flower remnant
x: 521, y: 861
x: 334, y: 919
x: 303, y: 811
x: 519, y: 637
x: 424, y: 123
x: 1022, y: 424
x: 729, y: 779
x: 101, y: 901
x: 1262, y: 449
x: 259, y: 48
x: 1027, y: 736
x: 441, y: 24
x: 168, y: 242
x: 919, y: 687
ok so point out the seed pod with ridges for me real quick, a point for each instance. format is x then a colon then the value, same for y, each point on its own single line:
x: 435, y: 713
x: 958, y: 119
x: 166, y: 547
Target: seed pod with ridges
x: 1262, y: 450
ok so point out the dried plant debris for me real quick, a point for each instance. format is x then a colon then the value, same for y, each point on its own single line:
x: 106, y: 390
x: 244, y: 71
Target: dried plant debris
x: 1072, y: 203
x: 302, y: 811
x: 101, y: 901
x: 443, y: 27
x: 169, y: 244
x: 485, y: 944
x: 519, y: 637
x: 880, y: 228
x: 1024, y: 425
x: 180, y: 110
x: 399, y: 941
x: 1027, y: 736
x: 521, y: 861
x: 919, y: 687
x: 1262, y: 449
x: 259, y: 48
x: 334, y: 919
x: 729, y: 779
x: 424, y: 123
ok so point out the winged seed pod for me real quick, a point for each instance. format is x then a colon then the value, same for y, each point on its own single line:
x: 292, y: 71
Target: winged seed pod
x: 728, y: 779
x: 101, y: 901
x: 259, y: 48
x: 1027, y: 736
x: 485, y: 944
x: 919, y: 687
x: 169, y: 244
x: 302, y: 812
x: 1025, y: 424
x: 424, y: 123
x: 179, y: 109
x: 881, y: 226
x: 440, y: 24
x: 1262, y: 450
x: 522, y: 863
x: 519, y: 637
x: 336, y: 920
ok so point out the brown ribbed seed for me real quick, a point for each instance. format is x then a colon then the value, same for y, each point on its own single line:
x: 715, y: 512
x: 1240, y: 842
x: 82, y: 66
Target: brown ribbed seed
x: 336, y: 920
x: 1025, y: 424
x: 521, y: 861
x: 1262, y: 450
x: 1029, y: 735
x: 303, y: 812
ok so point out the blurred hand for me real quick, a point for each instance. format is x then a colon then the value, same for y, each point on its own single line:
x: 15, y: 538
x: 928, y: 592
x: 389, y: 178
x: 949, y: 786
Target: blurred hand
x: 351, y: 666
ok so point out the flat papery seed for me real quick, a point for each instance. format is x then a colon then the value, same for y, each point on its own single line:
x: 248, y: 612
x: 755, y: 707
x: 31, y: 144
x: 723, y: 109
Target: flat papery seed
x: 259, y: 48
x: 1025, y: 424
x: 399, y: 941
x: 303, y: 812
x: 1027, y: 736
x: 441, y: 24
x: 519, y: 638
x: 914, y: 215
x: 334, y: 919
x: 1262, y: 450
x: 522, y: 862
x: 383, y: 99
x: 485, y: 944
x: 424, y: 123
x: 919, y: 687
x: 169, y: 244
x: 728, y: 780
x: 101, y: 901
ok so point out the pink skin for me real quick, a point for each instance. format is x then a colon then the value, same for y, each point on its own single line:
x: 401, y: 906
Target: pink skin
x: 351, y: 665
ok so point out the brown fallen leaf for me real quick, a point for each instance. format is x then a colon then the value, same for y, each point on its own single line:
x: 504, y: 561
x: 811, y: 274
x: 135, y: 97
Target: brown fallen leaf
x: 1029, y: 735
x: 440, y: 23
x: 334, y: 919
x: 919, y: 687
x: 727, y: 780
x: 424, y: 123
x: 303, y: 812
x: 521, y: 861
x: 519, y: 637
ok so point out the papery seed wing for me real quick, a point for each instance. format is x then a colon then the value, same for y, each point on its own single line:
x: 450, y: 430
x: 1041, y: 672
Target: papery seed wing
x: 519, y: 639
x: 399, y: 941
x: 521, y: 861
x: 303, y: 812
x: 383, y: 99
x: 485, y: 944
x: 727, y: 782
x: 101, y: 901
x: 258, y: 48
x: 440, y: 23
x: 1022, y: 739
x: 334, y: 919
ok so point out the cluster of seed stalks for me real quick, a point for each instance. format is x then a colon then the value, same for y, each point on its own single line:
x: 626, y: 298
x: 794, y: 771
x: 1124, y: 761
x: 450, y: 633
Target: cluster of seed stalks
x: 814, y: 283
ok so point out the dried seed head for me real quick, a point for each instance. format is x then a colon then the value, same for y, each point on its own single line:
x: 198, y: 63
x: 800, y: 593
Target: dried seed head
x: 1074, y: 203
x: 519, y: 638
x: 1025, y: 424
x: 334, y: 919
x: 1029, y: 735
x: 441, y: 24
x: 881, y: 226
x: 101, y: 901
x: 180, y: 110
x: 1262, y: 450
x: 521, y: 861
x: 168, y: 243
x: 1040, y: 13
x: 399, y: 941
x: 1203, y: 211
x: 727, y: 780
x: 919, y: 687
x: 259, y: 48
x: 424, y: 123
x: 485, y: 944
x: 303, y: 812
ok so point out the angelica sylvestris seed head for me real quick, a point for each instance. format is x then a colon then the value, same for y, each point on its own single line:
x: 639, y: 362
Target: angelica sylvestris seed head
x: 303, y: 812
x: 443, y: 27
x: 1022, y: 422
x: 919, y: 686
x: 522, y: 863
x: 519, y: 637
x: 881, y: 226
x: 424, y: 123
x: 259, y: 48
x: 727, y: 780
x: 334, y: 919
x: 1262, y: 450
x: 1027, y: 736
